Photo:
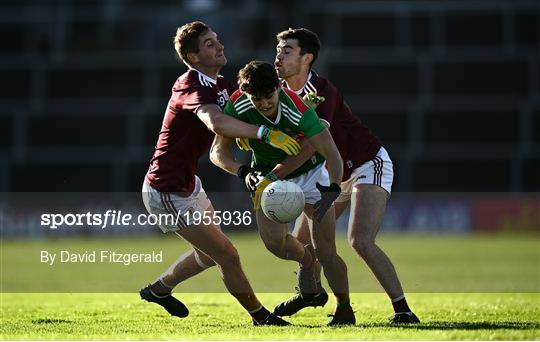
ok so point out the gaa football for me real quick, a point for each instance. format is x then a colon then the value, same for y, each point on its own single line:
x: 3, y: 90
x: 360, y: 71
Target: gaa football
x: 282, y: 201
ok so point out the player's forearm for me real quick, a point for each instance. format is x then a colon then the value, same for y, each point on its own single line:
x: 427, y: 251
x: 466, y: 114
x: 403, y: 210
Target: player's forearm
x: 222, y: 156
x: 224, y: 125
x: 227, y: 126
x: 226, y: 164
x: 292, y: 163
x: 325, y: 145
x: 335, y: 167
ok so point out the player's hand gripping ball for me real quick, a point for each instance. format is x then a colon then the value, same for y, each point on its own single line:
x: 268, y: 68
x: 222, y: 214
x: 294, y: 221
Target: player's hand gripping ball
x: 282, y: 201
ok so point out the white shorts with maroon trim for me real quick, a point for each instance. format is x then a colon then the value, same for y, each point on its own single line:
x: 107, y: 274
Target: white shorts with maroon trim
x: 307, y: 182
x: 378, y: 171
x: 160, y: 203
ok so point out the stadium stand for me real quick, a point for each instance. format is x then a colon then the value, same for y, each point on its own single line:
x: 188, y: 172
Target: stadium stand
x: 451, y: 87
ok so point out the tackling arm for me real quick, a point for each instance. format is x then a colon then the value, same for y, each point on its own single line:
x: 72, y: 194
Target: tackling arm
x: 221, y: 124
x: 225, y: 125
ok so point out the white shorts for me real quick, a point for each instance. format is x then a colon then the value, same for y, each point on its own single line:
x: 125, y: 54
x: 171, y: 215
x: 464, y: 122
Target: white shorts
x: 307, y: 182
x: 378, y: 171
x: 164, y: 203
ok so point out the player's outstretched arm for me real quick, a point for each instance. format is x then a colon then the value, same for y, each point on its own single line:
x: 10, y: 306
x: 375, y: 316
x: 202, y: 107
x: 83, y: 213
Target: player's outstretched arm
x: 225, y: 125
x: 212, y: 116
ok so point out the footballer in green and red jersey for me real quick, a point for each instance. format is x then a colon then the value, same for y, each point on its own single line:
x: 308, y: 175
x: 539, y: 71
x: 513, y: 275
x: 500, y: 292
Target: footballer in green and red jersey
x: 261, y: 100
x: 293, y: 117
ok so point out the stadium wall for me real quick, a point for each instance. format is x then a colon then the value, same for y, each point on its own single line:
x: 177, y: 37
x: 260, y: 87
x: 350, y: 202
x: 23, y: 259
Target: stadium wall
x: 451, y: 87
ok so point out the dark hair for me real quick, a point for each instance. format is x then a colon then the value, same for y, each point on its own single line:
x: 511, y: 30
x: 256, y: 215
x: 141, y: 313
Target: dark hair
x: 187, y: 38
x: 308, y: 41
x: 258, y: 78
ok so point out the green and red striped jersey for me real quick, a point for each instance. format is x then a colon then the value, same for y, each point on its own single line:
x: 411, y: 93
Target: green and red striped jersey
x: 294, y: 117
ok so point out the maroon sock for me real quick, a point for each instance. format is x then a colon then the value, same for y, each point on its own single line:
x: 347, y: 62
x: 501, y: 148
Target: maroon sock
x: 400, y: 305
x: 260, y: 315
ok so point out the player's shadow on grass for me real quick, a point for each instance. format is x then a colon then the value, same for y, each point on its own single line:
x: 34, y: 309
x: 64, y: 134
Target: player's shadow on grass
x: 50, y: 321
x: 460, y: 326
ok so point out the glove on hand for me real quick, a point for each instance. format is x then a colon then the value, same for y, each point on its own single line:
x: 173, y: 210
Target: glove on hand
x: 328, y: 195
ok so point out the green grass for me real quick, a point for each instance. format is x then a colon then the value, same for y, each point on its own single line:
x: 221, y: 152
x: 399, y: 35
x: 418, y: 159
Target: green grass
x: 440, y: 264
x: 219, y: 317
x: 461, y: 287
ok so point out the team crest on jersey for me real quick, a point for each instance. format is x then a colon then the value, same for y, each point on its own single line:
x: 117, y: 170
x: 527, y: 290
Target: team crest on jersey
x: 223, y: 97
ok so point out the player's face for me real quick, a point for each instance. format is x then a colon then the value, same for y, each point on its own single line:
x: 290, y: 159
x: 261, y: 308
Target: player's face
x: 211, y: 51
x: 288, y: 59
x: 266, y: 105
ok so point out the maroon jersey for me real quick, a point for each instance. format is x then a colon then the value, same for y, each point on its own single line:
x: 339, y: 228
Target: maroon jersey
x: 183, y: 138
x: 355, y: 142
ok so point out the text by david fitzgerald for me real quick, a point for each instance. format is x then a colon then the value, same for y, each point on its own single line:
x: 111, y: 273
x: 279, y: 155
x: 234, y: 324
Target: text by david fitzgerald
x: 111, y: 257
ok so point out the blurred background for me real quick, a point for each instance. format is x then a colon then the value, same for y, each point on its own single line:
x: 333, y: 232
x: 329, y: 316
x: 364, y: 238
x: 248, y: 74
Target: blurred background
x: 451, y: 87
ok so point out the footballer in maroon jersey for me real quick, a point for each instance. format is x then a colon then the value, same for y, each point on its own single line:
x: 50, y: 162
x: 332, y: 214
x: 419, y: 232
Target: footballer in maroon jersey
x: 184, y: 138
x: 367, y: 176
x: 171, y: 187
x: 355, y: 142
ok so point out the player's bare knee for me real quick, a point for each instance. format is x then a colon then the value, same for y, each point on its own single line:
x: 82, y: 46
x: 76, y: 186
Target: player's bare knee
x: 228, y: 256
x: 325, y: 256
x: 361, y: 246
x: 276, y: 247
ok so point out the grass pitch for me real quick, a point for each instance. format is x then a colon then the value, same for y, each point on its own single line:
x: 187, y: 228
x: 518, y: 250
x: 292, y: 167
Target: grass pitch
x: 462, y: 288
x: 219, y: 317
